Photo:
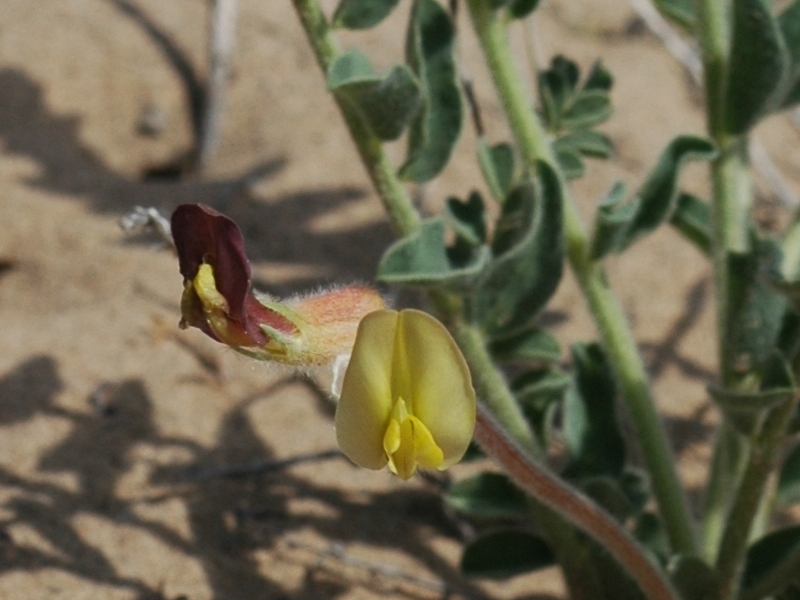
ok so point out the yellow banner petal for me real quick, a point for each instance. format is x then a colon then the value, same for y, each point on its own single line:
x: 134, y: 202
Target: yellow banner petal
x: 442, y: 396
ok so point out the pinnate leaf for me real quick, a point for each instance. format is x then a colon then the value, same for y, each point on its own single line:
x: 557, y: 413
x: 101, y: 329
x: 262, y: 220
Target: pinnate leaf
x: 619, y: 224
x: 430, y: 48
x: 759, y: 65
x: 422, y: 259
x: 387, y: 103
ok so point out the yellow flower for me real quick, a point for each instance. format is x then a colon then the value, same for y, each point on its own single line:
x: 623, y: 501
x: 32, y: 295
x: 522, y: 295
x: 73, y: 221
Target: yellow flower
x: 407, y: 398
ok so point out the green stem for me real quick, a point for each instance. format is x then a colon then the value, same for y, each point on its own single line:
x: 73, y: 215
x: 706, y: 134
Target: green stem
x: 732, y: 198
x: 392, y: 192
x: 790, y: 246
x: 608, y: 316
x: 492, y: 388
x: 760, y: 465
x: 727, y: 464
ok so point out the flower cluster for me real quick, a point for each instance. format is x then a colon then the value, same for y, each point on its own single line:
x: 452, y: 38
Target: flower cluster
x: 406, y: 400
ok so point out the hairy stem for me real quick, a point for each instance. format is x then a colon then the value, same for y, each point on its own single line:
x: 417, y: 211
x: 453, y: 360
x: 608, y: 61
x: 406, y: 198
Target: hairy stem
x: 732, y: 198
x: 492, y: 388
x: 760, y: 465
x: 551, y: 491
x: 727, y: 464
x: 608, y: 316
x: 392, y: 192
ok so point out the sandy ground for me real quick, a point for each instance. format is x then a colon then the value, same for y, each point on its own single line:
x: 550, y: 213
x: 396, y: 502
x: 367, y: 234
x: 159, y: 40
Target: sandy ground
x: 116, y: 428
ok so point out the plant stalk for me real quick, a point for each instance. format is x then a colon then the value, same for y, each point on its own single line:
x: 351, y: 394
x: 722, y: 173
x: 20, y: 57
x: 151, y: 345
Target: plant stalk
x: 394, y: 195
x: 551, y: 491
x: 732, y: 199
x: 761, y: 463
x: 607, y: 314
x: 492, y: 388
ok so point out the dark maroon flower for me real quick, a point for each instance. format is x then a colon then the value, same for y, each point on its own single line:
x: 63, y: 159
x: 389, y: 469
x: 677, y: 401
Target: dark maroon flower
x: 204, y: 236
x: 217, y: 298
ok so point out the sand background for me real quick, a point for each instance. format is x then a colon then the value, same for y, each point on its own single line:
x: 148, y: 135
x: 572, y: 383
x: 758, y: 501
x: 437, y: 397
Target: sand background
x: 113, y: 424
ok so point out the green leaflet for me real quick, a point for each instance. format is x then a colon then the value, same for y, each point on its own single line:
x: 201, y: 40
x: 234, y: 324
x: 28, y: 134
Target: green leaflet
x: 468, y: 219
x: 497, y: 166
x: 788, y: 492
x: 529, y: 345
x: 777, y: 553
x: 571, y: 146
x: 747, y: 410
x: 520, y: 9
x: 789, y: 23
x: 756, y: 308
x: 386, y: 103
x: 422, y: 259
x: 619, y: 224
x: 531, y: 384
x: 586, y: 142
x: 590, y: 108
x: 759, y: 65
x: 540, y: 393
x: 692, y: 217
x: 528, y: 258
x: 488, y: 496
x: 430, y: 54
x: 693, y: 578
x: 504, y: 553
x: 571, y: 163
x: 362, y: 14
x: 517, y: 9
x: 566, y: 104
x: 591, y: 433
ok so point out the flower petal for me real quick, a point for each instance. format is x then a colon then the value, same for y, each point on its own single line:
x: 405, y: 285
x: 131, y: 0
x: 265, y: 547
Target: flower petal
x: 203, y: 235
x: 365, y: 405
x: 442, y: 396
